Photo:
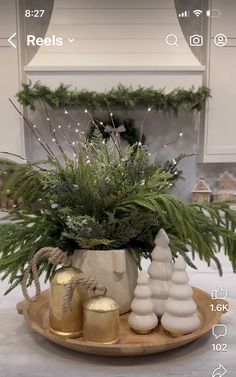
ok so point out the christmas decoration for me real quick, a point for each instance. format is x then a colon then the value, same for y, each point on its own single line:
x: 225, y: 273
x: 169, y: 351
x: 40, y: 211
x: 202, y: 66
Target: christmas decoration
x: 130, y: 343
x: 181, y: 315
x: 67, y: 296
x: 101, y: 320
x: 125, y: 97
x: 95, y: 197
x: 160, y: 272
x: 201, y: 192
x: 226, y: 187
x: 126, y: 129
x: 65, y: 323
x: 70, y: 323
x: 142, y: 319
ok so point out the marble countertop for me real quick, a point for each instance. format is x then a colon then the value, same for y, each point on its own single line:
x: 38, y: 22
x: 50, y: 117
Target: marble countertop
x: 24, y: 353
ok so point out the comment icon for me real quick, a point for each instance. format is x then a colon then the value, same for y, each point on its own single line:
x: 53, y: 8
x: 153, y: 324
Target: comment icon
x: 219, y: 331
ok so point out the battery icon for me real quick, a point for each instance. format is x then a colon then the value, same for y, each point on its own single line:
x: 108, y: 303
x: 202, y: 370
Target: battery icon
x: 213, y: 13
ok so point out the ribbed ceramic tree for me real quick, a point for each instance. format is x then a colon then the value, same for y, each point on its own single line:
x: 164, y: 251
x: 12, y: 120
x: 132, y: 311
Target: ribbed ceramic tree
x: 142, y: 319
x: 181, y: 316
x: 160, y: 272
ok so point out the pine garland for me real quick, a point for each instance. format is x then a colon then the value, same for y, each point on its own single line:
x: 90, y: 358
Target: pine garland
x: 121, y: 97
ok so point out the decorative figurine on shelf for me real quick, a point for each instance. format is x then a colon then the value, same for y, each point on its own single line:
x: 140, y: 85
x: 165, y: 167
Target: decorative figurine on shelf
x: 142, y: 319
x: 201, y: 192
x: 160, y: 272
x: 181, y: 316
x: 226, y: 187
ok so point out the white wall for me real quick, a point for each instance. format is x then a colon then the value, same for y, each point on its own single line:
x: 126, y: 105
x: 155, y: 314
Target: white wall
x: 11, y: 129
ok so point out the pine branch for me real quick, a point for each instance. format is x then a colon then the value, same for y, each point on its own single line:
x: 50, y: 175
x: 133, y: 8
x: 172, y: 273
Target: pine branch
x: 104, y: 201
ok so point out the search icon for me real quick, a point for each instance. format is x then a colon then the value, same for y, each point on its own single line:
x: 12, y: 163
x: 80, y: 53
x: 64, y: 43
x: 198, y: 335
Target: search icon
x: 172, y: 40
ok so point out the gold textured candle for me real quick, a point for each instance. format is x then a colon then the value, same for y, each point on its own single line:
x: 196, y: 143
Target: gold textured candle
x: 101, y: 320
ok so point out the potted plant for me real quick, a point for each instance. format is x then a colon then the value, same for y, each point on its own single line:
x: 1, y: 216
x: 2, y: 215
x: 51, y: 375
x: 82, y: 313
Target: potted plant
x: 105, y: 204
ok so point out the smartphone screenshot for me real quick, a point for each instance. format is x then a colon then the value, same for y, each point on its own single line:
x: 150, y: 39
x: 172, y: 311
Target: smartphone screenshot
x: 117, y: 188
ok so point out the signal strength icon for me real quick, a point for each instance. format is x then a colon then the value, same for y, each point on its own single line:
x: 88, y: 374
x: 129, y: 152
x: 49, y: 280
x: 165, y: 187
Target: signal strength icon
x: 184, y: 14
x: 197, y: 12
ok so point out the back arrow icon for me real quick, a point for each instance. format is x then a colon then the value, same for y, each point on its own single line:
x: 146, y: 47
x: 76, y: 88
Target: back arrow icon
x: 10, y: 40
x: 219, y: 372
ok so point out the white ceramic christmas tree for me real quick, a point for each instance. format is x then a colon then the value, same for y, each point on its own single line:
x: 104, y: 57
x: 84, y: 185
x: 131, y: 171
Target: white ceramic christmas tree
x: 181, y: 316
x: 160, y: 272
x: 142, y: 319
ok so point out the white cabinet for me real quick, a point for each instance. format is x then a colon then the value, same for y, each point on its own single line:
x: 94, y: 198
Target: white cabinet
x: 10, y: 123
x: 7, y: 18
x: 11, y: 128
x: 220, y: 130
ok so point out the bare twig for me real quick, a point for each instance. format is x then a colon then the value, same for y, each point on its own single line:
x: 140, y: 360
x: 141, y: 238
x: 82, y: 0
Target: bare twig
x: 76, y: 123
x: 118, y: 147
x: 14, y: 154
x: 142, y: 124
x: 52, y: 130
x: 167, y: 144
x: 38, y: 136
x: 71, y: 145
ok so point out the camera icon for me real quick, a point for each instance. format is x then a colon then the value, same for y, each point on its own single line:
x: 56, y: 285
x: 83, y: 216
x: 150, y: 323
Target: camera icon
x: 196, y: 40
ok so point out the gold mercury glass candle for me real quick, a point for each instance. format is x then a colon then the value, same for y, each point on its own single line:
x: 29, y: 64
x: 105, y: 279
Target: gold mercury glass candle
x: 101, y: 320
x: 69, y: 323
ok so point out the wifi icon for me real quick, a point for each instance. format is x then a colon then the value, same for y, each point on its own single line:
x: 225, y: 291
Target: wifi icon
x: 197, y: 12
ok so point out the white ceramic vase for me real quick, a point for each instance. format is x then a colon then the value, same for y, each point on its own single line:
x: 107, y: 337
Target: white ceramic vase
x: 115, y: 269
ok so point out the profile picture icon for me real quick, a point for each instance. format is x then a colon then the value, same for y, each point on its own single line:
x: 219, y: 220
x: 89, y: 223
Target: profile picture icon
x: 220, y: 40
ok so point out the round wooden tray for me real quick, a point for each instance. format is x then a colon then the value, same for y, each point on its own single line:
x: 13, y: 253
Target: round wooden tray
x: 130, y: 344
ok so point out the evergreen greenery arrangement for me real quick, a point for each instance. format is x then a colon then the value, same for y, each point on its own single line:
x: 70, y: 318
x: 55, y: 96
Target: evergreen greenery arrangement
x: 102, y: 196
x: 105, y: 198
x: 122, y: 96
